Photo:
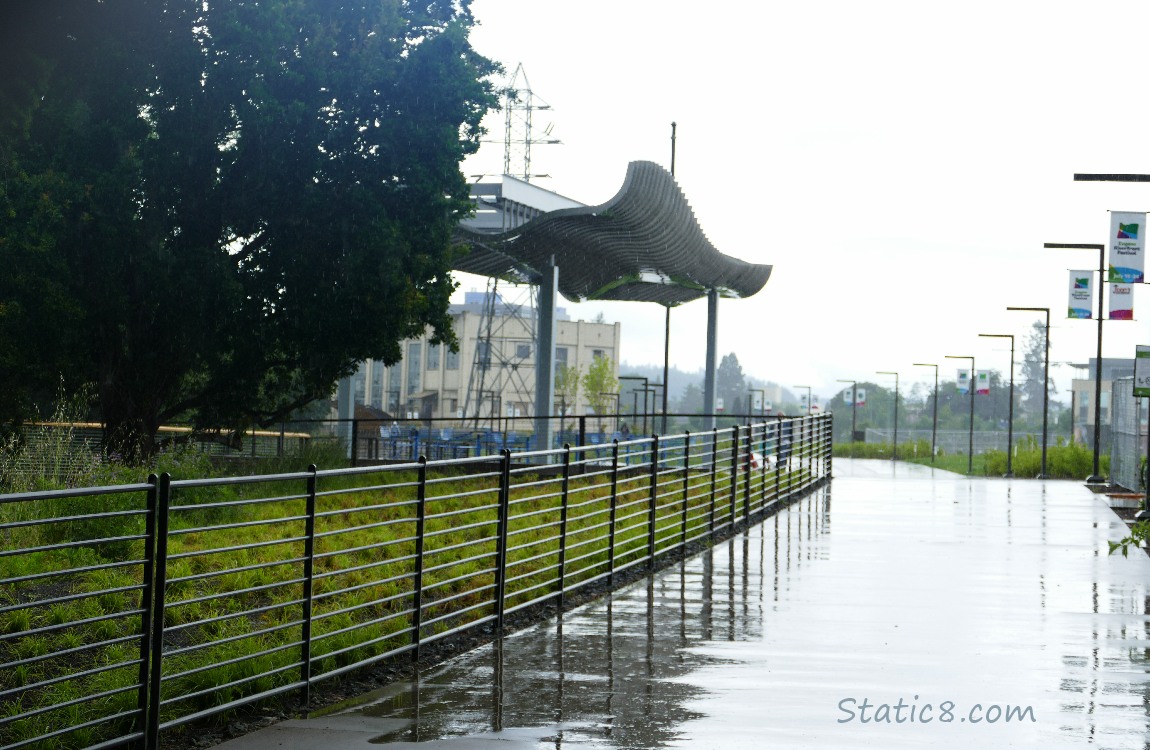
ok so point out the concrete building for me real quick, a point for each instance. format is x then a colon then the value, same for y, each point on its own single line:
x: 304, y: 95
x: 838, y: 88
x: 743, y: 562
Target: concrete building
x: 1085, y: 411
x: 433, y: 382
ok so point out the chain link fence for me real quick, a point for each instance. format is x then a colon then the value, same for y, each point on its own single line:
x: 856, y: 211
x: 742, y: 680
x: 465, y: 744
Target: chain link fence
x: 1127, y: 441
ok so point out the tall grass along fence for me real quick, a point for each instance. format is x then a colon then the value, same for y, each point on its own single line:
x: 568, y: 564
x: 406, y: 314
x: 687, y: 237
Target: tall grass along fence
x: 129, y: 610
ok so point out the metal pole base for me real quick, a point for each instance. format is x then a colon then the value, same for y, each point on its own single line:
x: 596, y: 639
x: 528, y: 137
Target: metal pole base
x: 1095, y: 479
x: 1008, y: 475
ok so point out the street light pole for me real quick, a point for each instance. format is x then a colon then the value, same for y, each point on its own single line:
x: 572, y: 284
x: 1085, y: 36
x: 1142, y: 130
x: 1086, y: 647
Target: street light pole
x: 894, y: 455
x: 1010, y: 418
x: 973, y: 389
x: 854, y: 405
x: 762, y: 403
x: 808, y: 396
x: 1045, y: 383
x: 1096, y: 477
x: 934, y: 423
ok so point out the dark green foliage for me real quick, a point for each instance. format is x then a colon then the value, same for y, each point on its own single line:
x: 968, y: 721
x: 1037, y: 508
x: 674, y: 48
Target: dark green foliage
x: 214, y: 211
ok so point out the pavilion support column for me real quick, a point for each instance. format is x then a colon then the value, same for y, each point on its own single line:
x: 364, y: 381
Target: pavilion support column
x: 709, y: 402
x: 545, y: 356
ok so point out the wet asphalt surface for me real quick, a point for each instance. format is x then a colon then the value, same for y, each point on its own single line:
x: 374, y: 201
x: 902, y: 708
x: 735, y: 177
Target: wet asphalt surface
x: 899, y: 607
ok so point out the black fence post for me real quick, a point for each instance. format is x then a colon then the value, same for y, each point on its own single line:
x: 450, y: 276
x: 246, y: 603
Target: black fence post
x: 653, y: 497
x: 355, y: 442
x: 582, y: 431
x: 714, y: 477
x: 147, y: 599
x: 164, y: 499
x: 611, y: 521
x: 747, y: 475
x: 501, y: 542
x: 308, y: 585
x: 734, y: 473
x: 563, y: 525
x: 778, y: 459
x: 420, y: 525
x: 686, y: 482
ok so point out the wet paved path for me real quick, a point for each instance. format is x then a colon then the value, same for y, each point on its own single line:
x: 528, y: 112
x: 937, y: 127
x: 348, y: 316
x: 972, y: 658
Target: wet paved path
x: 963, y: 599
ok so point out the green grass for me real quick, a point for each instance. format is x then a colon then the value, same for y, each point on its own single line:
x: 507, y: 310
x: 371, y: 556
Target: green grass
x: 1062, y: 461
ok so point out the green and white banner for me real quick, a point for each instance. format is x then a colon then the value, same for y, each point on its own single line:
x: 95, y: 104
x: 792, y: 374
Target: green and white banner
x: 1127, y: 246
x: 982, y: 383
x: 1081, y: 297
x: 1122, y: 302
x: 963, y: 381
x: 1142, y: 371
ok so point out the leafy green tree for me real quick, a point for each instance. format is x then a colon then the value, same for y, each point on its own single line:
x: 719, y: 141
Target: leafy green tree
x: 599, y: 382
x: 730, y: 383
x: 567, y: 384
x: 1033, y: 371
x: 218, y: 209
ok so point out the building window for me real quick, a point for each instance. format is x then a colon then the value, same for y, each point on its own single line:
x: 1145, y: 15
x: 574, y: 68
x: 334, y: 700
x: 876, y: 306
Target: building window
x: 392, y: 401
x: 359, y: 385
x: 432, y: 357
x: 395, y: 378
x: 561, y: 355
x: 522, y: 351
x: 451, y: 360
x: 598, y: 353
x: 377, y: 384
x: 414, y: 349
x: 483, y: 354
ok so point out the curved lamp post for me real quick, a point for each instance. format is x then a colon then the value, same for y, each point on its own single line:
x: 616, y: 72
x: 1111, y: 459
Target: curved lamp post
x: 894, y: 455
x: 1096, y: 477
x: 854, y: 405
x: 972, y: 388
x: 1010, y: 418
x: 934, y: 423
x: 1045, y: 383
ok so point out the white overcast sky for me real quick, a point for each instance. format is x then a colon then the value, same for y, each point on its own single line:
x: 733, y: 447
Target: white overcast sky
x: 900, y: 164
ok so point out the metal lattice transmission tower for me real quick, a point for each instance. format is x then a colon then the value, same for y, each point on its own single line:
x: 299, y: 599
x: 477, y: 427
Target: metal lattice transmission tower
x: 519, y: 106
x: 504, y: 362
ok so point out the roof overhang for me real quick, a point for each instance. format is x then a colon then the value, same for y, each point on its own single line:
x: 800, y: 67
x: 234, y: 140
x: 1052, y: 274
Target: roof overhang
x: 644, y: 244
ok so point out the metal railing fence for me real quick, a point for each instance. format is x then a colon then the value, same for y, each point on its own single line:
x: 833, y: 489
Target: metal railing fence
x: 129, y: 610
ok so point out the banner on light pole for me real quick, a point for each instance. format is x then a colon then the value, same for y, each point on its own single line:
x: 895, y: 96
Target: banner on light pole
x: 1127, y: 247
x: 1081, y: 296
x: 860, y: 397
x: 1142, y: 371
x: 982, y: 383
x: 1121, y: 302
x: 963, y: 382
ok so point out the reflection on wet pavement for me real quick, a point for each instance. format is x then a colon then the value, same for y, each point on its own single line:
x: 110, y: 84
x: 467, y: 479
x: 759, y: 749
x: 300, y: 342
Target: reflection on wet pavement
x: 919, y: 596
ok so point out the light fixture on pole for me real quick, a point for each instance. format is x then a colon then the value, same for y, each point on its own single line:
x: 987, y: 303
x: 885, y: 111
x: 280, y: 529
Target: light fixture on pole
x: 894, y: 455
x: 972, y: 388
x: 934, y: 423
x: 854, y: 405
x: 808, y: 396
x: 1096, y: 477
x: 1045, y: 382
x: 1010, y: 418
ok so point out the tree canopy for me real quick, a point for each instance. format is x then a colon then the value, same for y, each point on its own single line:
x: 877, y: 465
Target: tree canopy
x: 213, y: 211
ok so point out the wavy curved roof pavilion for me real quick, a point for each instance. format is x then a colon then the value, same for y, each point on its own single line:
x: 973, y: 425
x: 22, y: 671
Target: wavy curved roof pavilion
x: 644, y: 244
